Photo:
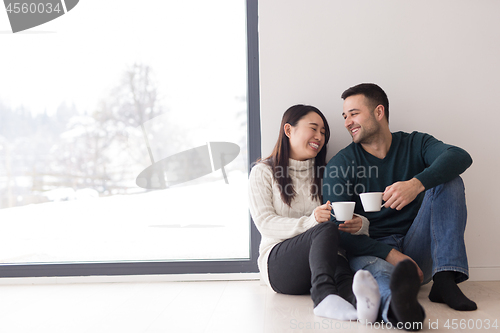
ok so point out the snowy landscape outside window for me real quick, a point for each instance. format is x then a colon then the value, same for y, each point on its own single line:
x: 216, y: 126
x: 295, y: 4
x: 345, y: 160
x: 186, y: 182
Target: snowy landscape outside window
x: 89, y: 101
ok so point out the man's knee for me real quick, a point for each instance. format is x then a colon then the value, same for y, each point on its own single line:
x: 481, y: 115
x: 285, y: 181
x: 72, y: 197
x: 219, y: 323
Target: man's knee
x: 453, y: 192
x: 376, y: 266
x: 456, y: 185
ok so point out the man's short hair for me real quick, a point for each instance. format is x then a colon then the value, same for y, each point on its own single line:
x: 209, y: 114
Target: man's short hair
x: 373, y: 93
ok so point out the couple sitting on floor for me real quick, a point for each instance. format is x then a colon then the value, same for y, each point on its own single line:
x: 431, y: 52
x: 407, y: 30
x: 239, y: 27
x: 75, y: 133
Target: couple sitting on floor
x: 418, y: 236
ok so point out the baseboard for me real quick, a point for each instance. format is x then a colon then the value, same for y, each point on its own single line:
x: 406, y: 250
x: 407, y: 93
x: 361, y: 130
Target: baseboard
x: 476, y: 274
x: 484, y: 273
x: 131, y: 278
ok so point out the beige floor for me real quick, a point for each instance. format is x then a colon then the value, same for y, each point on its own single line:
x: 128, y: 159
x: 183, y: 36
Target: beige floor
x: 221, y: 306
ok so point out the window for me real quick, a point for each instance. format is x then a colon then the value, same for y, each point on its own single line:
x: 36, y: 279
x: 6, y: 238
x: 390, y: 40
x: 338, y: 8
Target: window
x: 124, y: 145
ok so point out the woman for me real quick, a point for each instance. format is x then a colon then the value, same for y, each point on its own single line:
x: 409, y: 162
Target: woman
x: 299, y: 246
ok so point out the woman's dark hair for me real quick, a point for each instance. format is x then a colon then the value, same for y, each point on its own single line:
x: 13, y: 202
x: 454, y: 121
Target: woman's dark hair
x: 278, y: 160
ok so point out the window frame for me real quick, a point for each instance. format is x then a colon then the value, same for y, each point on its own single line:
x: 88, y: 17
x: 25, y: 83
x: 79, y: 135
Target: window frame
x: 188, y: 266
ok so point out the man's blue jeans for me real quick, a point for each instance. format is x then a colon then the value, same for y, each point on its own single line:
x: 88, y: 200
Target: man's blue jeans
x: 435, y: 241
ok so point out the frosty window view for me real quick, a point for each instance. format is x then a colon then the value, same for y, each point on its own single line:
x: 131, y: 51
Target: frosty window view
x: 126, y: 139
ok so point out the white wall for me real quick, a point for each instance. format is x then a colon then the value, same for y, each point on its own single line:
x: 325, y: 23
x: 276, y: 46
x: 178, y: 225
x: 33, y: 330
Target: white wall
x: 438, y: 61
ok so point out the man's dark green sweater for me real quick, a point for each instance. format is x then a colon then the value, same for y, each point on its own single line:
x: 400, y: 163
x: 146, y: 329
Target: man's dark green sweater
x: 353, y: 171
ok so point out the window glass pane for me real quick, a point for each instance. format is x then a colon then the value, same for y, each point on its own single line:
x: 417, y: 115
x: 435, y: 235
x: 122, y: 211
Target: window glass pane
x: 123, y: 134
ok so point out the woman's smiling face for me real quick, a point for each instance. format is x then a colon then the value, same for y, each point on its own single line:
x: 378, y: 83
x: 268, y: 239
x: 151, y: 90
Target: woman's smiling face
x: 307, y: 137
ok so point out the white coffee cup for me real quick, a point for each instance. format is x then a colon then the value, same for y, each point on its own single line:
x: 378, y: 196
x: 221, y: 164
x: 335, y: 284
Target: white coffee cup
x: 343, y: 210
x: 372, y: 201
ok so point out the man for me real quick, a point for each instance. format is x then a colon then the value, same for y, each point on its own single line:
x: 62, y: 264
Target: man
x: 419, y: 233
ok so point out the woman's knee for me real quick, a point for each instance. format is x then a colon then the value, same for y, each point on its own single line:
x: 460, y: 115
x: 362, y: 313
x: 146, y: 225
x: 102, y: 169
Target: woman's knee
x: 328, y: 229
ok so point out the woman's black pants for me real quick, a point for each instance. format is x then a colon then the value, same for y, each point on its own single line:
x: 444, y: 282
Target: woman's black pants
x: 309, y: 263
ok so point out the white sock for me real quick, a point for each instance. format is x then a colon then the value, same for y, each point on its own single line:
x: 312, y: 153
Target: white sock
x: 335, y: 307
x: 365, y: 289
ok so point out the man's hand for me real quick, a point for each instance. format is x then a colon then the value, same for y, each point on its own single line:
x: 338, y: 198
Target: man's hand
x: 352, y: 226
x: 400, y: 194
x: 394, y: 257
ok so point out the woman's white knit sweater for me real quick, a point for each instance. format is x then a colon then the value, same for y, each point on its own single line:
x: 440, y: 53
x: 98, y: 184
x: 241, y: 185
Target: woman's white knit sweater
x: 275, y: 220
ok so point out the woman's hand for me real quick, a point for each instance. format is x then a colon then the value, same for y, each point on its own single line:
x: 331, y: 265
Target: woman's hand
x: 351, y: 226
x: 322, y: 213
